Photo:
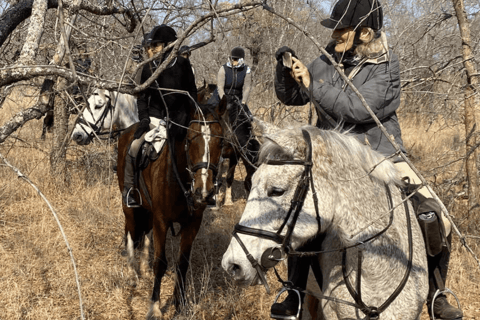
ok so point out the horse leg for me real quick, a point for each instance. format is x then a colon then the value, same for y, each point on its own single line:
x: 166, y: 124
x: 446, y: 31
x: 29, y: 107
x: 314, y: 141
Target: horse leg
x: 136, y: 227
x: 230, y: 177
x: 160, y: 265
x: 145, y: 255
x: 188, y: 234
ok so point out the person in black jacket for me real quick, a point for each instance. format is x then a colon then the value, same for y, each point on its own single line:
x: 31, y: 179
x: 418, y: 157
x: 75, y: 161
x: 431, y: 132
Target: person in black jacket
x: 361, y: 50
x: 155, y: 104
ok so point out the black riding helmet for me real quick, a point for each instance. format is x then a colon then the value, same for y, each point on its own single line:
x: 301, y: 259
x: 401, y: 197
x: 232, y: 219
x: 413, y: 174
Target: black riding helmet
x: 160, y: 34
x: 355, y: 13
x: 237, y: 53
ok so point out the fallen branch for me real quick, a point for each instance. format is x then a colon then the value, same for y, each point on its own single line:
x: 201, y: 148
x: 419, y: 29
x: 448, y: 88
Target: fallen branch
x: 25, y: 178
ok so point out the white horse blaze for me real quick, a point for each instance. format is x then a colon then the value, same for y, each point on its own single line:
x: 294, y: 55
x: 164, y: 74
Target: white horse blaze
x: 206, y: 157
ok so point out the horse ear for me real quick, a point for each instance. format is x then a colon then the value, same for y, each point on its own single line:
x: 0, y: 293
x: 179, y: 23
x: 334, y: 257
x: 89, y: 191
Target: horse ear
x: 205, y: 84
x: 222, y: 106
x: 261, y: 128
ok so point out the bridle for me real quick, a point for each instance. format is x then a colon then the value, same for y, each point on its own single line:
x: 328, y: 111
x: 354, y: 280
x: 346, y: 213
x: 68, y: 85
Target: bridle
x: 192, y: 168
x: 98, y: 125
x: 273, y: 255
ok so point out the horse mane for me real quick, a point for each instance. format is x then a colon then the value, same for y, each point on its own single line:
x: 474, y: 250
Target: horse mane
x: 331, y: 146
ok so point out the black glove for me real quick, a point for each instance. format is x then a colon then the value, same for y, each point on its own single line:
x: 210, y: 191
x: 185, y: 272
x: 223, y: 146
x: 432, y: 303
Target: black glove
x: 142, y: 128
x: 281, y: 51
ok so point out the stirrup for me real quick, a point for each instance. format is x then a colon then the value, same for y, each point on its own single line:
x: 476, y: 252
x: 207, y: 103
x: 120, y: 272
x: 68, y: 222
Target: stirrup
x: 286, y: 317
x: 439, y: 292
x: 139, y: 196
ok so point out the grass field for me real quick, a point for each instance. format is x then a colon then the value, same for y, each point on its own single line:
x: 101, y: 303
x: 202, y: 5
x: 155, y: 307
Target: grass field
x: 37, y: 279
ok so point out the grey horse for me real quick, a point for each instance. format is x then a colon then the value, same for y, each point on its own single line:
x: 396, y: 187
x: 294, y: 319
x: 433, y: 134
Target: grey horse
x: 351, y: 182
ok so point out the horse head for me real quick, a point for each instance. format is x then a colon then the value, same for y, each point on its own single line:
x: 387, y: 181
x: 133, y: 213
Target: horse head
x: 204, y: 93
x: 96, y: 116
x: 204, y: 148
x: 281, y: 214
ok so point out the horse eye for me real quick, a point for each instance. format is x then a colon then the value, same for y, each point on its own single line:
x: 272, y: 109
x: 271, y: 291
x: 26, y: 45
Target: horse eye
x: 275, y: 192
x: 98, y: 106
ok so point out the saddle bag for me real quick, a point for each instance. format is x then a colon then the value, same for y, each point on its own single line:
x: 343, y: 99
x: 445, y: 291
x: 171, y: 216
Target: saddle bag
x: 428, y: 213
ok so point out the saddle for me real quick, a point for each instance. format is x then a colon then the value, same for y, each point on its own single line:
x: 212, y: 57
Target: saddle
x: 145, y: 155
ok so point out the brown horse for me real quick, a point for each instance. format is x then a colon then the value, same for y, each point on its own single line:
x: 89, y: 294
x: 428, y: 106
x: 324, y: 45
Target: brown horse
x: 204, y: 93
x: 230, y: 151
x: 190, y: 156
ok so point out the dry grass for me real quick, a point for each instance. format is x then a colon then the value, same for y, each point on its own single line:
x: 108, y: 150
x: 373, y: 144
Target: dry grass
x: 36, y: 275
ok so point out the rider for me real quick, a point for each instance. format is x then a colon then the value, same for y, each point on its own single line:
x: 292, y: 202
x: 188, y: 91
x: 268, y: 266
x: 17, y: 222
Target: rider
x: 154, y: 104
x: 360, y: 48
x: 234, y: 79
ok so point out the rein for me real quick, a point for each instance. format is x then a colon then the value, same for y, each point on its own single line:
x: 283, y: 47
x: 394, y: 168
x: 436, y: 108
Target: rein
x: 273, y: 255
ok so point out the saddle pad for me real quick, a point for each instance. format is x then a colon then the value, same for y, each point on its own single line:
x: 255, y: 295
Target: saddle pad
x: 157, y: 135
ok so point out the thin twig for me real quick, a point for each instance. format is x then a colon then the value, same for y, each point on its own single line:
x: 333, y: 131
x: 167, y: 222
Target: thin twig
x: 22, y: 176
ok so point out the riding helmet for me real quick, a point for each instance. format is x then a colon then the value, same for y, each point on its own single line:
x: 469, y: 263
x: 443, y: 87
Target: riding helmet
x: 355, y: 13
x: 161, y: 33
x: 237, y: 53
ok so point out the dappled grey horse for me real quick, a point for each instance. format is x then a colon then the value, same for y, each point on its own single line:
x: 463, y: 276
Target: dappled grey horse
x: 372, y: 248
x: 106, y: 110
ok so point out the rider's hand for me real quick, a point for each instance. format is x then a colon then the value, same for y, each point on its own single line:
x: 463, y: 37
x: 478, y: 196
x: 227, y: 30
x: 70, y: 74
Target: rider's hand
x: 143, y: 127
x: 281, y: 51
x: 300, y: 72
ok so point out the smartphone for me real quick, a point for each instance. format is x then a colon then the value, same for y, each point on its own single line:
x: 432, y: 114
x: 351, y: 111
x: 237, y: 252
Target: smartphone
x: 287, y: 60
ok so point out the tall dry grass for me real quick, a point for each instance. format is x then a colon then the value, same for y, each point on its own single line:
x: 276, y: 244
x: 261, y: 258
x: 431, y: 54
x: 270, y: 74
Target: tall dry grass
x: 36, y: 275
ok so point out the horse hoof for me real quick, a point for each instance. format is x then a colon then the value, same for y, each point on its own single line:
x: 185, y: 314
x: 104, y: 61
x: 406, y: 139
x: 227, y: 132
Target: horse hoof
x: 124, y: 253
x: 154, y: 313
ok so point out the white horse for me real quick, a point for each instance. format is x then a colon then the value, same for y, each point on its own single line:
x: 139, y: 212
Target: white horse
x: 105, y: 109
x: 351, y: 184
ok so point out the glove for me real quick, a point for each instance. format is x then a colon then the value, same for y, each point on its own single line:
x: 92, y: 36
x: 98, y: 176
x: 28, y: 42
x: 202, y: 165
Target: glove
x: 281, y: 51
x: 142, y: 128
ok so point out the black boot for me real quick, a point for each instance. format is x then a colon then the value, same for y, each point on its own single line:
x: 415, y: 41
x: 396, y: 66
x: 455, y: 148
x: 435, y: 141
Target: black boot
x: 437, y: 275
x: 129, y: 191
x: 298, y: 268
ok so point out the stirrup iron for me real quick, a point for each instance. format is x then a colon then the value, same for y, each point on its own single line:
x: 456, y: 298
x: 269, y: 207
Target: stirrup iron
x: 439, y: 292
x: 286, y: 317
x: 139, y: 197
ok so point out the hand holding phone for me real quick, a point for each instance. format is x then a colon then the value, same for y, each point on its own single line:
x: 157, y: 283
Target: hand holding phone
x: 287, y: 60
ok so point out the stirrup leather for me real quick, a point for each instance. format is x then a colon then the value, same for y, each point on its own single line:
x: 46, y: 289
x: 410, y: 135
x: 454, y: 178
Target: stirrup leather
x: 286, y: 317
x: 139, y: 197
x: 439, y: 292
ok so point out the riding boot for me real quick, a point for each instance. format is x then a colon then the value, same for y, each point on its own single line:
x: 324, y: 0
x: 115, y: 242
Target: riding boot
x: 298, y: 268
x: 437, y: 275
x: 128, y: 184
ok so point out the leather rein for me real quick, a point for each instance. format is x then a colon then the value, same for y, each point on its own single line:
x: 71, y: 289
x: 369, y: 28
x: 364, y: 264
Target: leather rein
x: 275, y: 254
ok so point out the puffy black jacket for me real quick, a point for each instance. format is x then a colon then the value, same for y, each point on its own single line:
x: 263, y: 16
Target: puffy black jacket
x: 177, y: 76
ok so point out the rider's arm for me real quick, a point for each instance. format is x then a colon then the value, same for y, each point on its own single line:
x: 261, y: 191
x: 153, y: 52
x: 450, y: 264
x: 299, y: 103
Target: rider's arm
x: 381, y: 91
x: 287, y: 89
x: 143, y: 97
x: 221, y: 82
x: 247, y: 85
x: 189, y: 79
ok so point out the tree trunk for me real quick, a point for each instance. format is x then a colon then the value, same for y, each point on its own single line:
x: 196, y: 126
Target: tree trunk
x: 470, y: 107
x: 58, y: 155
x: 35, y: 31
